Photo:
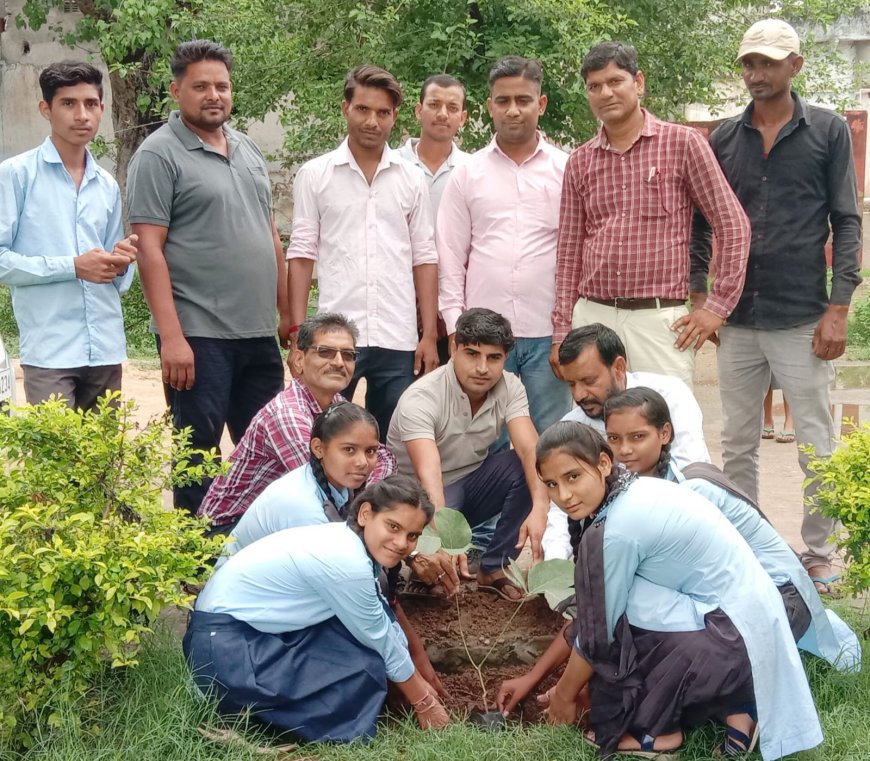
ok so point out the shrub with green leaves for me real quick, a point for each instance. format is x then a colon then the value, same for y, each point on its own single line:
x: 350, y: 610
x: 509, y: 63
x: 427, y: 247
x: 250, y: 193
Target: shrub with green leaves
x: 859, y: 325
x: 89, y: 553
x: 844, y: 494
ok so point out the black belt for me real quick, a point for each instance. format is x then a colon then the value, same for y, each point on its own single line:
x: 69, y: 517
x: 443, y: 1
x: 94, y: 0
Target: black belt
x: 638, y: 303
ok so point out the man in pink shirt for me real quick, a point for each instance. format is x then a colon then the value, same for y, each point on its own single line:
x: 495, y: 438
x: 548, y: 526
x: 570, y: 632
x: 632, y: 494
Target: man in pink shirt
x: 497, y: 229
x: 363, y: 214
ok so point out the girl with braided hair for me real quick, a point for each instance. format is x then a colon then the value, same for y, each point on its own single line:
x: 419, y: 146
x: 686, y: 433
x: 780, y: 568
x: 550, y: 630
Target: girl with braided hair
x: 640, y: 432
x: 295, y: 628
x: 344, y: 450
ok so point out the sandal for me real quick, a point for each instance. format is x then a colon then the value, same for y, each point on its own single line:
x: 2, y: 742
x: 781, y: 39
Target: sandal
x: 736, y: 743
x: 415, y: 587
x: 498, y: 587
x: 645, y: 751
x: 785, y: 437
x: 767, y: 432
x: 823, y: 583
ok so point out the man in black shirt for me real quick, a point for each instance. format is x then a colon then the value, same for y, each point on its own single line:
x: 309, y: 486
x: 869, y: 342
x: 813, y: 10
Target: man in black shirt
x: 791, y: 166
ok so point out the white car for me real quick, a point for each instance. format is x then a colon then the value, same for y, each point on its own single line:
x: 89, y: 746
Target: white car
x: 7, y: 378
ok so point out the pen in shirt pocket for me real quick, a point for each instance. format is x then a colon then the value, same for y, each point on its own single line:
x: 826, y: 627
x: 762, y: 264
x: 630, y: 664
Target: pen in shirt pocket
x: 652, y: 174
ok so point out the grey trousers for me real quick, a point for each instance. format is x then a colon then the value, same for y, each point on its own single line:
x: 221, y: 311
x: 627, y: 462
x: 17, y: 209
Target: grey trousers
x: 79, y: 386
x: 747, y: 357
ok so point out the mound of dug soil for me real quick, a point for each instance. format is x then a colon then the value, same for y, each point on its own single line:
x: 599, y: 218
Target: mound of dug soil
x: 509, y: 650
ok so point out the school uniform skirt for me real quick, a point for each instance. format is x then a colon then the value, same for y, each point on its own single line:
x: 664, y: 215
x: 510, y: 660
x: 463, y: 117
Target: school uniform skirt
x: 318, y: 683
x: 673, y: 680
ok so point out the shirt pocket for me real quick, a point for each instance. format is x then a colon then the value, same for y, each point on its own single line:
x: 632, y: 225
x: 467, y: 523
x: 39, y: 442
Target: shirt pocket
x: 662, y: 196
x: 260, y: 179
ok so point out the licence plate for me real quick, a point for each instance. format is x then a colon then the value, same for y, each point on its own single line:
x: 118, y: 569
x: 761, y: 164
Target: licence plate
x: 6, y: 381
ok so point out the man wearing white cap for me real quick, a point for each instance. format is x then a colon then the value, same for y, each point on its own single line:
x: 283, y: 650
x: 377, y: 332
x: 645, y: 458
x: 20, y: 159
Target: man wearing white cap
x: 791, y: 166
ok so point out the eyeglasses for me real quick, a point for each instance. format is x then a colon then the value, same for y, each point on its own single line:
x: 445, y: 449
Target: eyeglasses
x: 329, y: 352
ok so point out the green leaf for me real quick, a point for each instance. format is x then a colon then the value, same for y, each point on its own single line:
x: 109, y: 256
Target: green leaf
x: 454, y: 531
x: 429, y: 542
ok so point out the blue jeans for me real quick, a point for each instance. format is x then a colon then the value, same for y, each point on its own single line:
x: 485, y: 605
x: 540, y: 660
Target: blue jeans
x: 388, y: 372
x: 498, y: 488
x: 235, y: 378
x: 549, y: 398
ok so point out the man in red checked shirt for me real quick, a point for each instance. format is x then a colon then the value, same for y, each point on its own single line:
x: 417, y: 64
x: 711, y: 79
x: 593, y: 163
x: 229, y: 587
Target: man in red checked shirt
x: 625, y: 223
x: 277, y: 440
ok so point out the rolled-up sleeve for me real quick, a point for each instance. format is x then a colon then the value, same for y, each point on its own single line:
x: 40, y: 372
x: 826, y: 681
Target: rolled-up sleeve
x: 305, y: 236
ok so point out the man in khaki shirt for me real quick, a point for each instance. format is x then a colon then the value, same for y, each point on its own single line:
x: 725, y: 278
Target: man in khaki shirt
x: 441, y: 433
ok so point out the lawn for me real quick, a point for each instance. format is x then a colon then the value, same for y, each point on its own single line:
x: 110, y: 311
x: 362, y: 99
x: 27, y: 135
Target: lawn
x: 150, y: 714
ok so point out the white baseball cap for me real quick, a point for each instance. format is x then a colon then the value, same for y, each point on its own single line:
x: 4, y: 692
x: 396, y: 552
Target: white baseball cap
x: 771, y: 38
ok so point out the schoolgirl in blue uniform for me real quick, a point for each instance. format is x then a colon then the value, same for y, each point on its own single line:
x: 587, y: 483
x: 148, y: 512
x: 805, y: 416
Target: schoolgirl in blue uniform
x: 295, y: 629
x: 645, y: 686
x: 344, y: 451
x: 640, y: 432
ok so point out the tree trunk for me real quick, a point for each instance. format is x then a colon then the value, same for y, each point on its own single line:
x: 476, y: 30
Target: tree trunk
x: 131, y: 124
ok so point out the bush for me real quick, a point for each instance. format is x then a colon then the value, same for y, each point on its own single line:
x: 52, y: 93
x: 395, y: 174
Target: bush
x: 859, y: 325
x: 89, y: 555
x: 844, y: 494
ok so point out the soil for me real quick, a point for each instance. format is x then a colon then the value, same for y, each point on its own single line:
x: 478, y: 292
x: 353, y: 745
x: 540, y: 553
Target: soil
x: 509, y: 650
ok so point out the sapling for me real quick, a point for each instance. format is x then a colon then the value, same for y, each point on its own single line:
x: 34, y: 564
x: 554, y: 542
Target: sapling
x: 552, y: 578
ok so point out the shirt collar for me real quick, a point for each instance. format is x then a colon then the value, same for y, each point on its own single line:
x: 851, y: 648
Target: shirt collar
x: 190, y: 140
x: 307, y: 398
x: 650, y: 128
x: 410, y: 150
x: 49, y: 154
x: 800, y: 113
x: 344, y: 156
x: 539, y: 148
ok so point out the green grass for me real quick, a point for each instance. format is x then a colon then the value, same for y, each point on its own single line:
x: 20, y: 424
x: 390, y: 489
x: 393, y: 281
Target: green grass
x: 150, y: 714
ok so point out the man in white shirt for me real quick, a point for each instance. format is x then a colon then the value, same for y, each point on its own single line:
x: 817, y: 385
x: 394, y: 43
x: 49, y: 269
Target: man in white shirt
x: 497, y: 230
x: 363, y: 214
x: 593, y: 363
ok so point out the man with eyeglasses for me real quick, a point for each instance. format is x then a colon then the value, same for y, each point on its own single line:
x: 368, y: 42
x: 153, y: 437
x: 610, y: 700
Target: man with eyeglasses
x: 277, y: 439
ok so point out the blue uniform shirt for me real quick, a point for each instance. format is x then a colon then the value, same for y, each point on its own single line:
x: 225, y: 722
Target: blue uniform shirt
x: 44, y: 223
x: 295, y: 499
x: 299, y: 577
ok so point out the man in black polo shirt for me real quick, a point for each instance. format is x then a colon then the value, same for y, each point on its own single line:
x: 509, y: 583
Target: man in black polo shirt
x: 791, y: 166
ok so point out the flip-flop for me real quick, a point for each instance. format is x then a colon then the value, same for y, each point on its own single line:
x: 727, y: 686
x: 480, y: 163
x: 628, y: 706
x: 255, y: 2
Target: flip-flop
x: 785, y: 437
x: 767, y: 432
x: 498, y: 586
x: 736, y: 743
x: 417, y: 588
x: 645, y: 750
x: 823, y: 583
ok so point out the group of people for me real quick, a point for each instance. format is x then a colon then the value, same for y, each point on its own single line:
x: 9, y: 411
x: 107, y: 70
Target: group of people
x: 476, y: 295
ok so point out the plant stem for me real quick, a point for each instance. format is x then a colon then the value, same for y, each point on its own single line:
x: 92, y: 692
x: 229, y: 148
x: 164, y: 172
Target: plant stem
x: 477, y: 667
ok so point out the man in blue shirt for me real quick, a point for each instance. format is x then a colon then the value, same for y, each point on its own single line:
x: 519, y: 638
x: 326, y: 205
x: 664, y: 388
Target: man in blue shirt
x: 62, y: 249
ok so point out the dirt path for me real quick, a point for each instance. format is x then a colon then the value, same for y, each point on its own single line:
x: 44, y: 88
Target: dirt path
x: 781, y: 477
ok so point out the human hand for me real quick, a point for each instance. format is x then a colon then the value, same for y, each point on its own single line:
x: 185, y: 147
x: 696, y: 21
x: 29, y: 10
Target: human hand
x: 426, y: 356
x: 98, y: 266
x: 430, y: 711
x: 514, y: 691
x: 176, y: 360
x: 284, y: 325
x: 554, y: 361
x: 695, y: 328
x: 128, y: 247
x: 441, y: 568
x: 829, y: 338
x: 559, y: 710
x: 533, y: 529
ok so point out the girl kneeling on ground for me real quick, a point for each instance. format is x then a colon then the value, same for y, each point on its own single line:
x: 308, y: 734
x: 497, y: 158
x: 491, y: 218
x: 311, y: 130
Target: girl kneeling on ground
x: 295, y: 629
x: 645, y: 686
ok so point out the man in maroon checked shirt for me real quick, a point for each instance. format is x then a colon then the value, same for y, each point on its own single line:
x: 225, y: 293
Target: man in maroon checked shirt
x: 625, y: 223
x: 277, y: 439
